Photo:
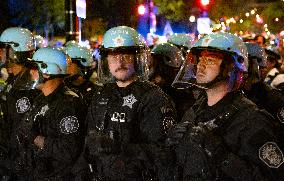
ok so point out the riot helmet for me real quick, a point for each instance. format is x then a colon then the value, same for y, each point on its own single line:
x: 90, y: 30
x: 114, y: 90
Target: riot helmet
x: 273, y: 58
x: 257, y: 59
x: 22, y: 42
x: 167, y: 59
x: 231, y: 51
x: 82, y: 57
x: 182, y: 41
x: 48, y: 62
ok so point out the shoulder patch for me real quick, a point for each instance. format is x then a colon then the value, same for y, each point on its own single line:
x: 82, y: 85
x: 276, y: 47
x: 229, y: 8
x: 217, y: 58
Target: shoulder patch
x: 69, y: 125
x: 23, y: 105
x: 271, y: 155
x: 280, y: 115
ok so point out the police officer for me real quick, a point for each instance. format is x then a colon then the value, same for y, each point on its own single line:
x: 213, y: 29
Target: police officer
x: 227, y: 137
x: 129, y: 118
x: 17, y: 99
x: 254, y: 87
x: 55, y: 122
x: 273, y: 66
x: 167, y: 60
x: 81, y: 69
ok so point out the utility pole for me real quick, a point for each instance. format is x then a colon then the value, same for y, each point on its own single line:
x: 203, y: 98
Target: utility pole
x: 71, y: 21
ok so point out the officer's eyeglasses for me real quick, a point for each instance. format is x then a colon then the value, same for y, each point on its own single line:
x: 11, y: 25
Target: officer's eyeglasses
x: 126, y: 58
x: 209, y: 60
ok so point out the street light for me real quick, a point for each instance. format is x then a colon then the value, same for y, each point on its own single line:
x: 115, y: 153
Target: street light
x: 141, y: 9
x: 204, y: 2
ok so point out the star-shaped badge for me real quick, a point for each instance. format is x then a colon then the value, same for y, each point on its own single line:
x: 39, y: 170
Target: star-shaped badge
x: 118, y: 41
x: 129, y: 100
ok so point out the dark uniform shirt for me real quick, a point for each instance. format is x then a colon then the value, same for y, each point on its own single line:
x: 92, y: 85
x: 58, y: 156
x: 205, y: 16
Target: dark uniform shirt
x: 17, y: 103
x: 182, y: 98
x: 85, y: 90
x: 231, y: 140
x: 128, y: 126
x: 59, y: 118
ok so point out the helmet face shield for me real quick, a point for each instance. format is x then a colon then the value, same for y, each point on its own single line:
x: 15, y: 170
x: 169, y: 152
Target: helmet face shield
x: 172, y: 55
x: 7, y: 55
x: 205, y: 67
x: 31, y: 78
x: 139, y: 60
x: 225, y: 50
x: 122, y: 42
x: 186, y: 77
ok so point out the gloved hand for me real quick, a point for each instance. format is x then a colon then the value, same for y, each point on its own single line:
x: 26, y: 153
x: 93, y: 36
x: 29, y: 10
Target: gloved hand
x: 177, y: 133
x: 29, y: 130
x: 101, y: 143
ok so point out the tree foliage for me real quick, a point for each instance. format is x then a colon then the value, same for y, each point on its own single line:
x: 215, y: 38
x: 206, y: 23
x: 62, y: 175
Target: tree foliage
x: 273, y: 11
x: 48, y: 14
x: 177, y: 10
x: 174, y: 9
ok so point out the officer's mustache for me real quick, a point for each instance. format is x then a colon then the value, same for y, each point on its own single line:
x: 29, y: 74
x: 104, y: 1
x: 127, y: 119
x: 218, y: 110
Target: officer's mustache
x: 121, y: 68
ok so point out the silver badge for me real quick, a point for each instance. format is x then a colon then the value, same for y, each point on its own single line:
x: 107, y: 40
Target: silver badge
x: 69, y: 125
x: 23, y: 105
x: 280, y: 115
x: 129, y: 100
x: 271, y: 155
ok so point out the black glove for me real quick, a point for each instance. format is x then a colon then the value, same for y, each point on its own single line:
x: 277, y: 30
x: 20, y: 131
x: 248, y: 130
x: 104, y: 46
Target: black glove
x: 28, y: 130
x: 101, y: 143
x: 177, y: 133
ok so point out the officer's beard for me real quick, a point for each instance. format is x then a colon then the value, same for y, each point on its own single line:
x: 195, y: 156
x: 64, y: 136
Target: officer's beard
x: 128, y: 77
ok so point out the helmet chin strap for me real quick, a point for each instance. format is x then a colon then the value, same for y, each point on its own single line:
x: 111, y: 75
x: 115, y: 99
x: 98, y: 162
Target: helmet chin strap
x: 209, y: 85
x: 72, y: 78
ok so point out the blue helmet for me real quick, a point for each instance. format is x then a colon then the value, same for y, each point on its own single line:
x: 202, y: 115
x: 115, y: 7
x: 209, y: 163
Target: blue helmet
x: 172, y: 55
x: 21, y: 39
x: 51, y: 61
x: 80, y: 53
x: 256, y: 52
x: 121, y: 40
x: 47, y: 61
x: 181, y: 40
x: 228, y: 44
